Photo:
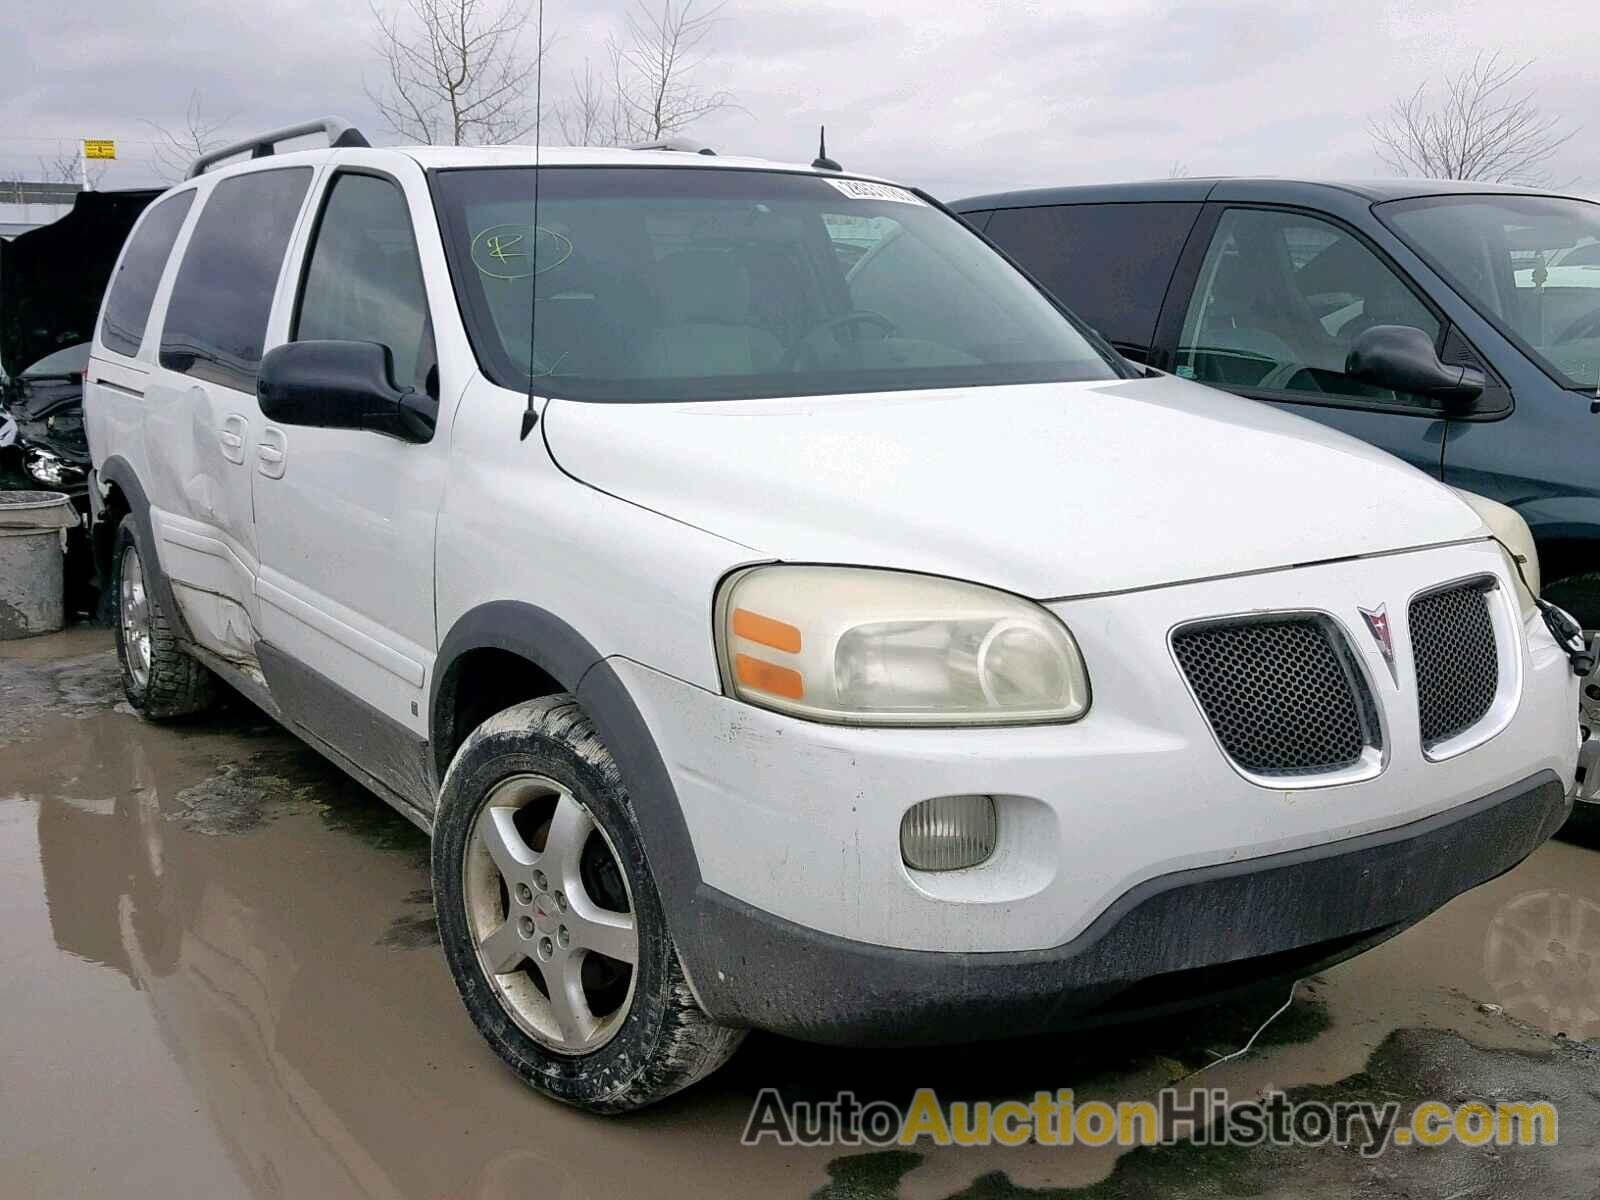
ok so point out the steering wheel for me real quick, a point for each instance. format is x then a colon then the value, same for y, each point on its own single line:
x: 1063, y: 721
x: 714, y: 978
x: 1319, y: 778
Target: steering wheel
x: 834, y: 325
x: 1586, y: 326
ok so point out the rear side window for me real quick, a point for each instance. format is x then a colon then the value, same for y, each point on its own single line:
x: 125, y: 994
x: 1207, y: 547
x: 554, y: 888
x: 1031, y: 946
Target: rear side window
x: 1109, y: 263
x: 217, y: 317
x: 134, y: 287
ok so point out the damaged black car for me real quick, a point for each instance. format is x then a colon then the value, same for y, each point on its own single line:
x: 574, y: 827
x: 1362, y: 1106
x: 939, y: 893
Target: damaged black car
x: 42, y: 434
x: 51, y: 282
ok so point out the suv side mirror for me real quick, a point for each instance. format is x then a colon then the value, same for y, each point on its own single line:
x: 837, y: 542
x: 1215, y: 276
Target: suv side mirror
x: 342, y: 385
x: 1402, y: 358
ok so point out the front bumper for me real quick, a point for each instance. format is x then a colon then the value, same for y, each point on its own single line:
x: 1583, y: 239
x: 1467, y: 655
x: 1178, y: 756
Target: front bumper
x: 1175, y: 940
x: 794, y: 826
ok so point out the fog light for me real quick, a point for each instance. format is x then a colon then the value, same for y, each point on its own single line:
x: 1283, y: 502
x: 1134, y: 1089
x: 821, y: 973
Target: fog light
x: 948, y: 833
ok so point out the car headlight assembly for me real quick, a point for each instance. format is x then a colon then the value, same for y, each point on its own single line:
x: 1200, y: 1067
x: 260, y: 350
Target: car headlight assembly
x: 51, y: 470
x: 861, y: 646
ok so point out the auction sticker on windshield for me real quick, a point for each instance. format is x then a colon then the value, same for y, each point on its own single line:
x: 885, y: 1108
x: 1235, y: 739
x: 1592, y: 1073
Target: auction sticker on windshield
x: 861, y: 189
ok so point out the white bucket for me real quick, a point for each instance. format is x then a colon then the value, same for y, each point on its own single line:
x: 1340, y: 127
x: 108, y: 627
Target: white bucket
x: 33, y: 546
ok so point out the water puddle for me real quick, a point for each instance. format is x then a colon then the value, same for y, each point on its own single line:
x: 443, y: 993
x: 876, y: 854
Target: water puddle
x: 221, y: 977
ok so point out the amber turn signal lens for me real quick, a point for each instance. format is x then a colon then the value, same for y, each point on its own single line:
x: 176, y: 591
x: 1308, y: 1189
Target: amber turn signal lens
x: 769, y: 677
x: 765, y: 631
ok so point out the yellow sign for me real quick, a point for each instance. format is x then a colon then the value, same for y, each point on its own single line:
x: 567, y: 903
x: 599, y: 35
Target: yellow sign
x: 99, y: 148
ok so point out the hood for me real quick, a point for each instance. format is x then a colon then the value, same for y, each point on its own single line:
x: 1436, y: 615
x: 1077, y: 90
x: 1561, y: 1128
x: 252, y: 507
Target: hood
x: 52, y: 278
x: 1045, y: 490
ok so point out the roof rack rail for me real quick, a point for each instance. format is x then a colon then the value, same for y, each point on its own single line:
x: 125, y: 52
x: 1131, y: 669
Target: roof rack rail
x: 683, y: 145
x: 341, y: 134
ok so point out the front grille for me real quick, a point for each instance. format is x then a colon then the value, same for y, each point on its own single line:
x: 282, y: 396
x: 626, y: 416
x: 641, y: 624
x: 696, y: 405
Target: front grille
x: 1458, y: 667
x: 1280, y: 693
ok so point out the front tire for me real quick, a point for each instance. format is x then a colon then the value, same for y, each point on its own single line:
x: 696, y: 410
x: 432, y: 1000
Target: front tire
x: 551, y: 921
x: 161, y: 681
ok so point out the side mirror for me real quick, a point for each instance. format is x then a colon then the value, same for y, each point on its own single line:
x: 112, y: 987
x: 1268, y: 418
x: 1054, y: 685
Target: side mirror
x: 1402, y: 358
x: 342, y: 385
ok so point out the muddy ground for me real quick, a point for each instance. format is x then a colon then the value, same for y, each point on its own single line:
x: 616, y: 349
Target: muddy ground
x: 219, y: 977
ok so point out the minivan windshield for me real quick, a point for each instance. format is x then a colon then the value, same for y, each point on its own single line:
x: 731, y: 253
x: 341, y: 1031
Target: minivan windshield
x: 704, y: 283
x: 1530, y: 264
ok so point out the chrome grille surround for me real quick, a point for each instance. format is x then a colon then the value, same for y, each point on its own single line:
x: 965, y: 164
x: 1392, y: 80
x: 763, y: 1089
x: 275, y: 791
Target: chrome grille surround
x: 1456, y: 655
x: 1285, y: 697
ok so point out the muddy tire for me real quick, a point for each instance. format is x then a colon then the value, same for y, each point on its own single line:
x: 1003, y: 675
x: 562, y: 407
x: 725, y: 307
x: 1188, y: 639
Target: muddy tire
x: 161, y: 681
x: 543, y: 896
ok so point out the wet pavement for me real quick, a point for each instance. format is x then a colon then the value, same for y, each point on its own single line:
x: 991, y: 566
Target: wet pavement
x: 219, y: 976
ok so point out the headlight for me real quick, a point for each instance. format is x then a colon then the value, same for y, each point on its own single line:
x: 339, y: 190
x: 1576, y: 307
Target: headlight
x: 48, y: 469
x: 1516, y: 545
x: 868, y: 647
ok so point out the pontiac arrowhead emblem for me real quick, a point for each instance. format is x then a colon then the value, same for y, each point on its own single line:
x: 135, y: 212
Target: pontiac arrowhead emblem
x: 1377, y: 620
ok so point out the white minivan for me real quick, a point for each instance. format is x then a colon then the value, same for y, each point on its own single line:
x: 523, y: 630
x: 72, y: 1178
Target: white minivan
x: 781, y: 614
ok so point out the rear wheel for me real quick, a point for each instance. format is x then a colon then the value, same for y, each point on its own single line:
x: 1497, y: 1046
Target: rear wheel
x: 551, y: 921
x: 161, y: 681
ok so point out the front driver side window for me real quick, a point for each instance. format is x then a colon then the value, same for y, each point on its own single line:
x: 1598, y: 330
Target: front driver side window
x: 1280, y: 300
x: 363, y: 282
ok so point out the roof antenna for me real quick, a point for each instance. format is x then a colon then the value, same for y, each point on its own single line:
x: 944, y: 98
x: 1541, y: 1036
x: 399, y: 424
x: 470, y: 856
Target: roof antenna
x: 530, y: 415
x: 822, y: 162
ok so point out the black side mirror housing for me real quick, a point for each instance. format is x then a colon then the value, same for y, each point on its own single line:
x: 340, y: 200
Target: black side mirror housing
x: 342, y: 385
x: 1403, y: 359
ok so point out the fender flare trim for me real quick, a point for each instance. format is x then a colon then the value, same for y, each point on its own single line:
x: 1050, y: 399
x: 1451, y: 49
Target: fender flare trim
x: 117, y: 470
x: 549, y: 643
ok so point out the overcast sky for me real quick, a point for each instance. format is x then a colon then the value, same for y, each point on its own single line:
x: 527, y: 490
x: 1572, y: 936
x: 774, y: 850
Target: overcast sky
x: 958, y: 98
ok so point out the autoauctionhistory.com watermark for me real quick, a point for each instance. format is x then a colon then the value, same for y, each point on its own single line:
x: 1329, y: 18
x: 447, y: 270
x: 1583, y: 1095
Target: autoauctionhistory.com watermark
x: 1202, y: 1116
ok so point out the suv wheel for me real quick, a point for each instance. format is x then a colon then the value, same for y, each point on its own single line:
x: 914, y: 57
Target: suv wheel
x: 551, y: 921
x: 160, y: 679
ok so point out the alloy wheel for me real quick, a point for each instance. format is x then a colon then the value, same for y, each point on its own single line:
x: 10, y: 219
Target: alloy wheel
x: 550, y: 912
x: 133, y: 614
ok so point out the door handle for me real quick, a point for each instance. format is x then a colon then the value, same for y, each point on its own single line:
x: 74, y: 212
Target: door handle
x: 232, y: 435
x: 272, y: 453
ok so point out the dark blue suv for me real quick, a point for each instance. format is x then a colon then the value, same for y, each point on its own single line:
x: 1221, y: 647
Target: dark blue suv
x: 1311, y: 296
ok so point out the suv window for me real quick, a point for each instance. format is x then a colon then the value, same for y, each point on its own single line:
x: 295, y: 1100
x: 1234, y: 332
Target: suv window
x: 217, y: 317
x: 1109, y: 263
x: 363, y: 280
x: 139, y: 274
x: 1280, y: 299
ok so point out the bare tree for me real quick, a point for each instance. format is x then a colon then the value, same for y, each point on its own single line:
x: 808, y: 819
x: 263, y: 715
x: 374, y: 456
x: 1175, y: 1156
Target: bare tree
x: 588, y: 117
x: 455, y: 71
x: 1178, y: 170
x: 654, y: 67
x: 651, y: 91
x: 1481, y: 128
x: 65, y: 167
x: 177, y: 149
